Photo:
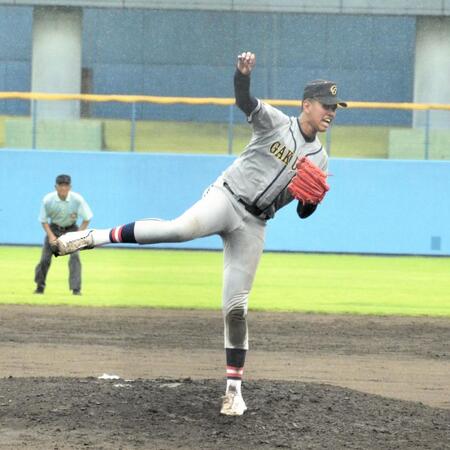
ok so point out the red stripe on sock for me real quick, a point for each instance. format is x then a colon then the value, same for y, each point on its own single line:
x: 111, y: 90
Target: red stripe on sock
x: 235, y: 372
x: 116, y: 234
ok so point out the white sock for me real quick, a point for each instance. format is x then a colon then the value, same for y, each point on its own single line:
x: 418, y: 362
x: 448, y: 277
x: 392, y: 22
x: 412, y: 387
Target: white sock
x: 101, y: 237
x: 236, y: 385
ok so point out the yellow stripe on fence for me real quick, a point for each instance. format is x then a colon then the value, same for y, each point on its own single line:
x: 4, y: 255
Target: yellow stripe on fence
x: 204, y: 100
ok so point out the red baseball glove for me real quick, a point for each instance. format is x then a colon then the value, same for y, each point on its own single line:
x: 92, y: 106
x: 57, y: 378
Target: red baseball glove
x: 309, y: 183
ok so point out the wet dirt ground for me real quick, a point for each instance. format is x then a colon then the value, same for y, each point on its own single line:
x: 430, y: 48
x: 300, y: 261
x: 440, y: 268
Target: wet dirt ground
x: 311, y: 381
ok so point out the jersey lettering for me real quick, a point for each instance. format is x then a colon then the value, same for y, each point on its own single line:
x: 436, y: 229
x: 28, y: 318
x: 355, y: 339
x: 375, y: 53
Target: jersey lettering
x: 274, y: 147
x: 281, y: 152
x: 288, y: 157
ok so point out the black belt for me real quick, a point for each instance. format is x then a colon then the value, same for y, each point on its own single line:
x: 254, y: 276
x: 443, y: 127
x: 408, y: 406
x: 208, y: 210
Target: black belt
x: 62, y: 228
x: 252, y: 209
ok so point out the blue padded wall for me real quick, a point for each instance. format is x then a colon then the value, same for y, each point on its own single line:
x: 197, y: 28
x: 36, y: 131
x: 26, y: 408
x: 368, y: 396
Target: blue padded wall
x: 374, y: 206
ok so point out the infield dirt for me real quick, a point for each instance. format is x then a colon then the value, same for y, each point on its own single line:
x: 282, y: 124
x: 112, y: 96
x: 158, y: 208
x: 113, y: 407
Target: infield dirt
x: 311, y: 381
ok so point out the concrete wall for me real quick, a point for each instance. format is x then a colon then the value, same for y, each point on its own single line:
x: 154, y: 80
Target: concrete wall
x: 56, y: 59
x: 395, y: 7
x: 432, y: 69
x: 16, y: 26
x: 192, y: 53
x: 374, y: 206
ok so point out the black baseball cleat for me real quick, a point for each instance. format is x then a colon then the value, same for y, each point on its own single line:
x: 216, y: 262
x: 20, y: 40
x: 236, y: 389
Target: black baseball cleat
x: 76, y: 292
x: 39, y: 290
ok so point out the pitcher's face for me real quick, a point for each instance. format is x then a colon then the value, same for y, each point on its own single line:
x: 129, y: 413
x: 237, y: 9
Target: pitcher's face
x: 317, y: 115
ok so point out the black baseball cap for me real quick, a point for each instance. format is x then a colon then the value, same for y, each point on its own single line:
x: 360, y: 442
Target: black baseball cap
x: 323, y: 91
x: 63, y: 179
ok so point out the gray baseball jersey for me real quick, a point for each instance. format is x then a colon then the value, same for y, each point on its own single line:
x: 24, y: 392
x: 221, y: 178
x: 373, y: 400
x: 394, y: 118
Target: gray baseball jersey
x: 260, y: 176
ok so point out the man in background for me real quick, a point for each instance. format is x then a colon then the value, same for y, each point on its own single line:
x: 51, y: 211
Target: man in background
x: 59, y: 213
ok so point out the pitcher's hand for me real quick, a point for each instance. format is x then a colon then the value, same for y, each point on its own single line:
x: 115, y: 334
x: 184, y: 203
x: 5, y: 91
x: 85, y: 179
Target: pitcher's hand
x: 246, y: 62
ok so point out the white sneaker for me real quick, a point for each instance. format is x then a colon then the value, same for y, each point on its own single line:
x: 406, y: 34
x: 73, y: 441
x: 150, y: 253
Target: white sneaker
x: 72, y: 242
x: 233, y: 404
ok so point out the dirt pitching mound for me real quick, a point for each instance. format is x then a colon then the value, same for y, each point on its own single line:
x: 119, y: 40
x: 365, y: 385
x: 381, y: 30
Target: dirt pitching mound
x: 59, y: 413
x: 310, y: 382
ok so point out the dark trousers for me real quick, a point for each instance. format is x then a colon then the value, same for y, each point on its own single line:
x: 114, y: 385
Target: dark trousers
x: 41, y: 270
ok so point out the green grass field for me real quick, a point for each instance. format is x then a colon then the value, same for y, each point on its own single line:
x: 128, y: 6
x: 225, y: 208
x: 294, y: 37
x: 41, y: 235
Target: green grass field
x: 192, y: 279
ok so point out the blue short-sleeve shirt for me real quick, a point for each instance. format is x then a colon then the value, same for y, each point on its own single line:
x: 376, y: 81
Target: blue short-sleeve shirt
x: 64, y: 212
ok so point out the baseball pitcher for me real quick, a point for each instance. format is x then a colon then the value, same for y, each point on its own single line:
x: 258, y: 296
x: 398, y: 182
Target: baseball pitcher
x: 283, y: 161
